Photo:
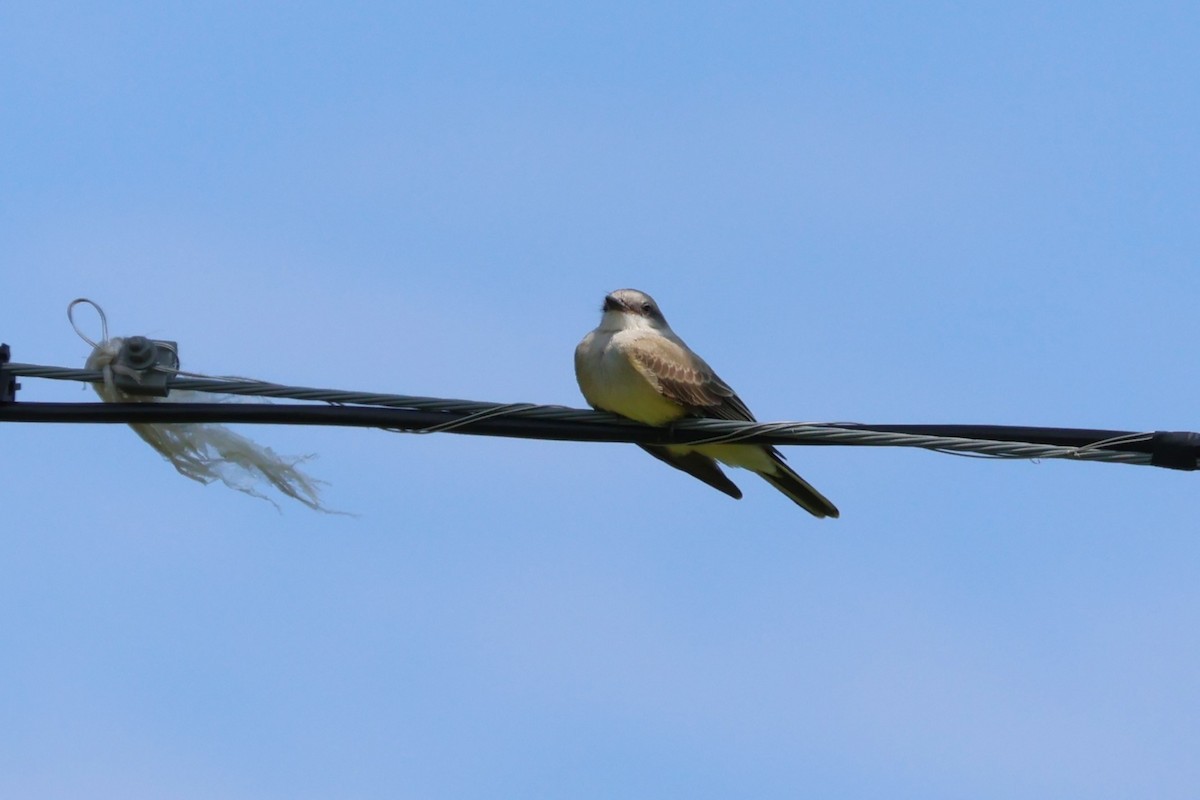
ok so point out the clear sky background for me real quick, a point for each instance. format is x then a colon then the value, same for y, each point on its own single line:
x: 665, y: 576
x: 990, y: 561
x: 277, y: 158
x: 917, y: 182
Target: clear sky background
x: 864, y: 212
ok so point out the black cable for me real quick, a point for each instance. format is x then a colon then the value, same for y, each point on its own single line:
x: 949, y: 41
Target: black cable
x: 1176, y: 450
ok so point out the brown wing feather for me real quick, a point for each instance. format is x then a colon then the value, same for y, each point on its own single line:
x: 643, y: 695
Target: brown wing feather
x: 684, y: 377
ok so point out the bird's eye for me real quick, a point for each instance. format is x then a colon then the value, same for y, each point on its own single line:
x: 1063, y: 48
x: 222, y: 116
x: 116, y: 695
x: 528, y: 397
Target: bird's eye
x: 647, y: 309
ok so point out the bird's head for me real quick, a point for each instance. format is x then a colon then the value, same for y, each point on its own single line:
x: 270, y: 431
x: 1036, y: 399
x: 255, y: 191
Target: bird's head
x: 626, y: 309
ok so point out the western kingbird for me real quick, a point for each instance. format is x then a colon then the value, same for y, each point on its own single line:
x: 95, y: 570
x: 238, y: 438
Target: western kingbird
x: 634, y: 365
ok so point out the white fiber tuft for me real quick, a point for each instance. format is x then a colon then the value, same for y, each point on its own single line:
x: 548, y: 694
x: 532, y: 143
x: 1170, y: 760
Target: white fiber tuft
x: 203, y: 452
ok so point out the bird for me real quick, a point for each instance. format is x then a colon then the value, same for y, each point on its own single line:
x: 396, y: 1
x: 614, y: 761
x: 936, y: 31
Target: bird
x: 635, y: 366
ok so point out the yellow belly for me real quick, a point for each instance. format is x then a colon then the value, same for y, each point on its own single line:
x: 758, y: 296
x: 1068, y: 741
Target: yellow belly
x: 609, y: 381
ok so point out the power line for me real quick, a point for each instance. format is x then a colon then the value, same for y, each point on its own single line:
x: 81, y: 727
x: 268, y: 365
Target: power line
x: 416, y: 414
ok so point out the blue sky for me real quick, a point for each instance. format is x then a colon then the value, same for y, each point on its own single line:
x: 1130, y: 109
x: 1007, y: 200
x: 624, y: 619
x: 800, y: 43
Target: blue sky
x: 855, y: 211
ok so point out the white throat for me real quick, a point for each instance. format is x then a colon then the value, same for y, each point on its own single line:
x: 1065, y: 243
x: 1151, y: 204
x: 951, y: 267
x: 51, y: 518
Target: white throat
x: 615, y: 321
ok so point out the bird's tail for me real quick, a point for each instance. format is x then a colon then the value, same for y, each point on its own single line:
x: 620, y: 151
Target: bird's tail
x: 799, y: 490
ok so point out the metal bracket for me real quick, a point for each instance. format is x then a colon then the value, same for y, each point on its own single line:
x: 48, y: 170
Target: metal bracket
x: 8, y: 381
x: 146, y: 366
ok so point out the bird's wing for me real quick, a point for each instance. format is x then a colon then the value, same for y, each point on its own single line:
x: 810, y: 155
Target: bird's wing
x: 682, y: 376
x: 698, y: 466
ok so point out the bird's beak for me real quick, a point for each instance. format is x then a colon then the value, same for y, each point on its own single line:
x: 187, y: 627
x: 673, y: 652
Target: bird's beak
x: 612, y: 304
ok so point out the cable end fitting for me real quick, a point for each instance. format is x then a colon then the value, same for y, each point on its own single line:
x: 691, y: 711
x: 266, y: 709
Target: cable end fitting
x: 8, y: 381
x: 1175, y: 449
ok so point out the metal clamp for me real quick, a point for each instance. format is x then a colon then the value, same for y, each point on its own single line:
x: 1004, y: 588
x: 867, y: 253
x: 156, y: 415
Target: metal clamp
x: 8, y: 381
x: 146, y: 366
